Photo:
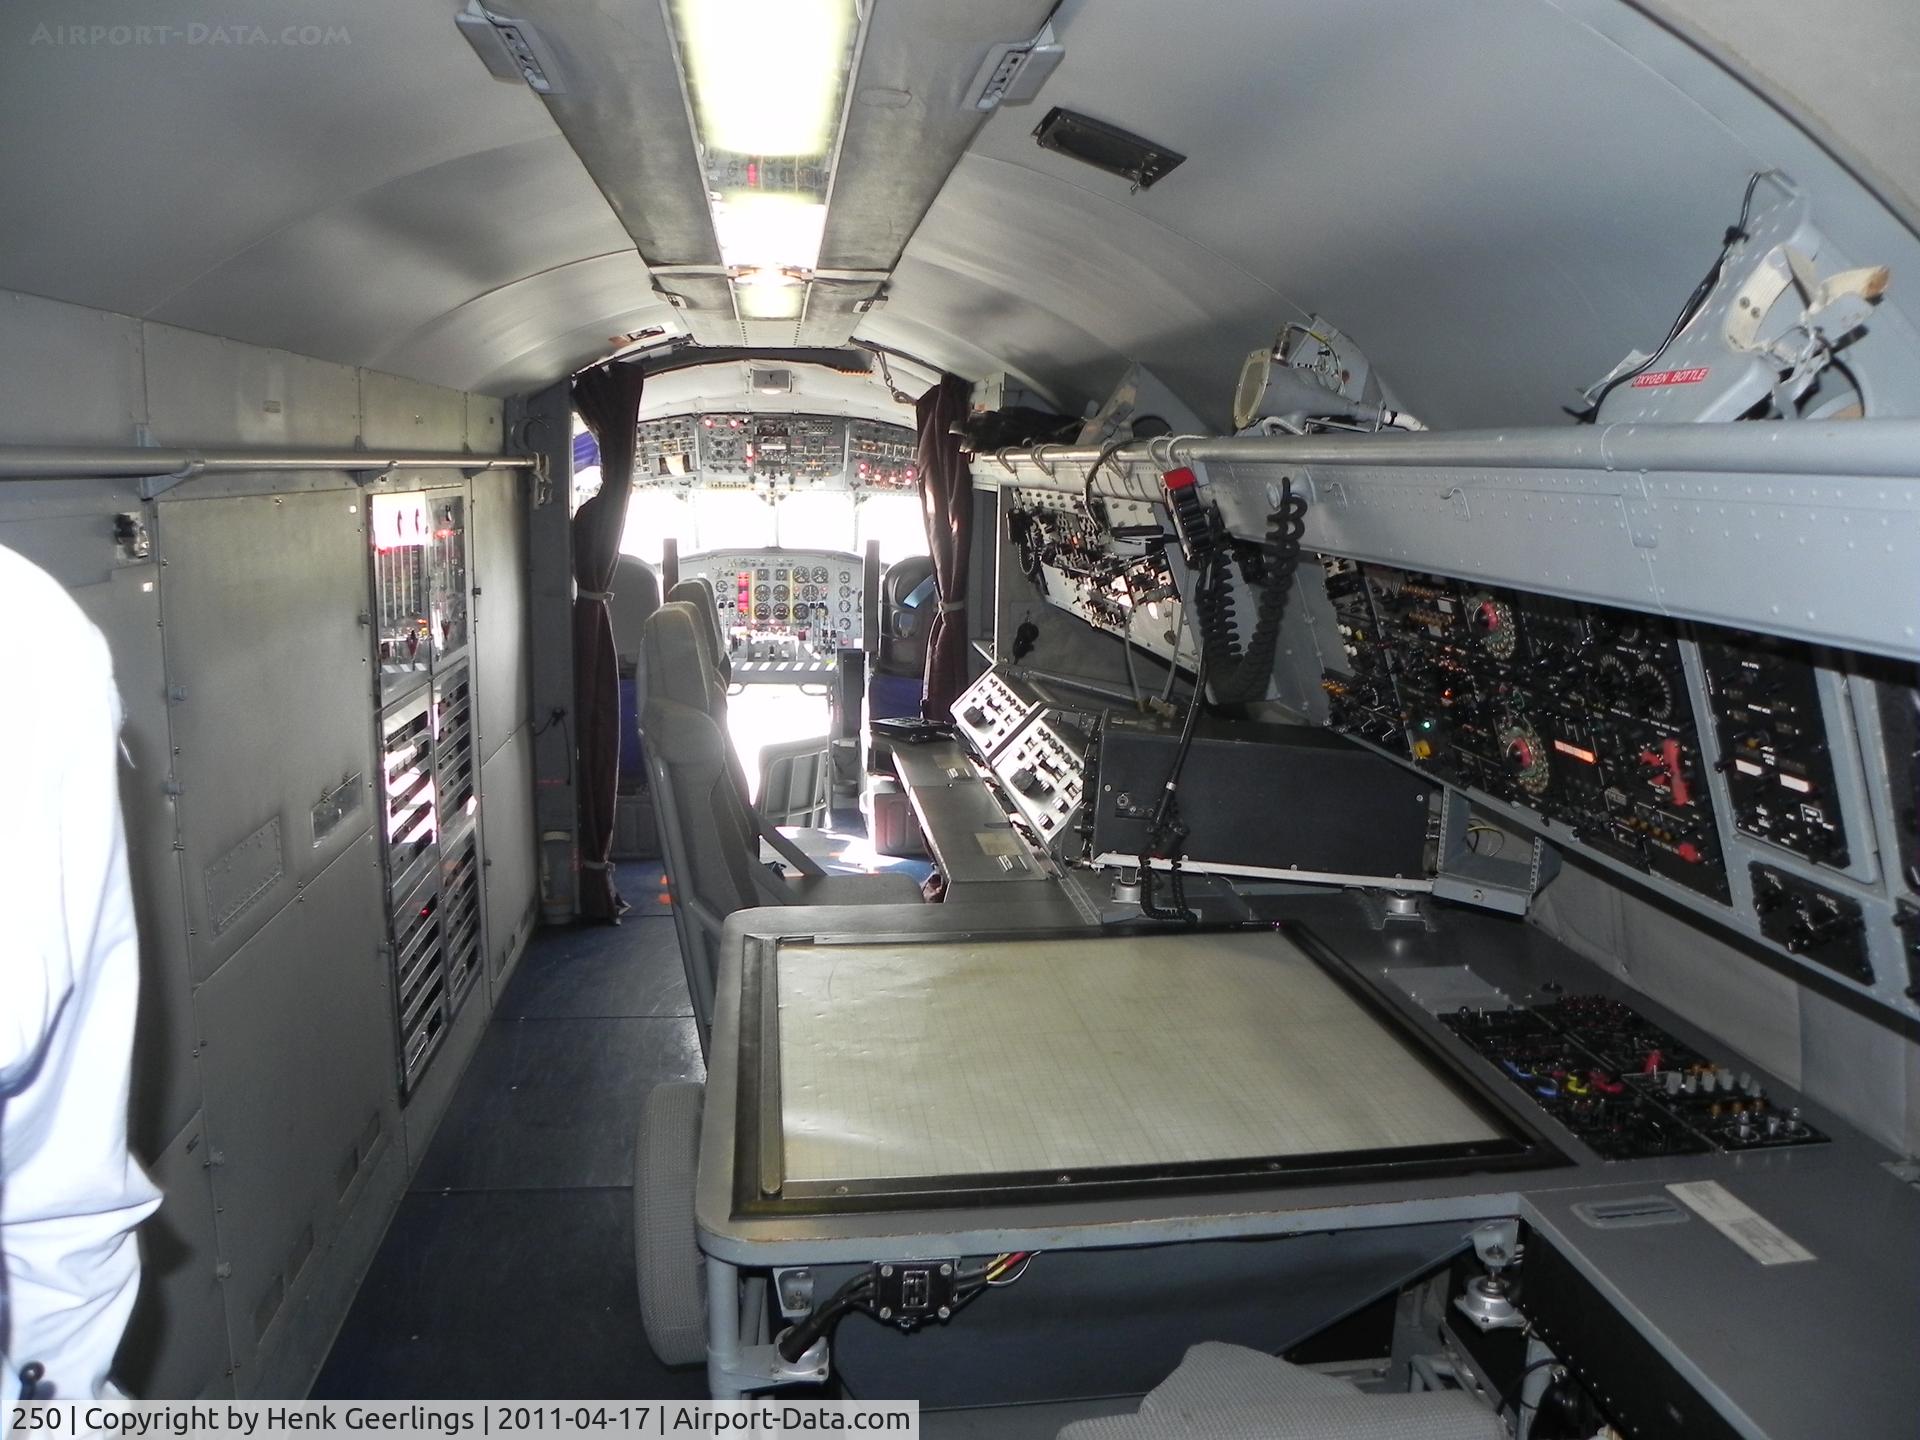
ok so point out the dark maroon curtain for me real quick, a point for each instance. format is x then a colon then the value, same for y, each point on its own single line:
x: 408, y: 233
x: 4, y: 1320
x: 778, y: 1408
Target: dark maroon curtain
x: 608, y: 399
x: 946, y: 493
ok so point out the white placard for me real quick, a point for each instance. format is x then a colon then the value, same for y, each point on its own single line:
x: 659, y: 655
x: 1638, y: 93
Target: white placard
x: 1741, y: 1223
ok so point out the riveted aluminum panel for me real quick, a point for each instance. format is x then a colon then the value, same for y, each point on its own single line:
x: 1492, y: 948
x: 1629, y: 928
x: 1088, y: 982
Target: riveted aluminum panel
x: 176, y: 1342
x: 203, y: 390
x: 485, y: 424
x: 498, y: 545
x: 268, y: 660
x: 403, y: 414
x: 298, y: 1066
x: 506, y: 810
x: 43, y: 346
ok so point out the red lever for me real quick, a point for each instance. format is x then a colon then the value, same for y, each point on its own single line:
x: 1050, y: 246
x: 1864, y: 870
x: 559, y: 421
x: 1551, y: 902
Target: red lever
x: 1677, y: 785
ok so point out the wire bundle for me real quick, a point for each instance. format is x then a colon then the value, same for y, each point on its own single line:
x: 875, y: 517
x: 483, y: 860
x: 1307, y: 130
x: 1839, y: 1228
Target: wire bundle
x: 858, y: 1294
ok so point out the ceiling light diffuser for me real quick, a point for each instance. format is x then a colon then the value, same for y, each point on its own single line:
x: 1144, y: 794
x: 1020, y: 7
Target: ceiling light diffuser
x: 758, y: 231
x: 766, y: 76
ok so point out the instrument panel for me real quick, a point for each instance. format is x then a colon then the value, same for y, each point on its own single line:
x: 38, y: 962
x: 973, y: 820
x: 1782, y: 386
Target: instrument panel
x: 1626, y: 1088
x: 1579, y: 713
x: 1119, y: 576
x: 791, y: 608
x: 1766, y: 784
x: 1723, y: 763
x: 749, y: 448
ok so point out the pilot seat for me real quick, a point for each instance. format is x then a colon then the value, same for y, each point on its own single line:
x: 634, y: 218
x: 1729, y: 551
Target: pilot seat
x: 635, y: 596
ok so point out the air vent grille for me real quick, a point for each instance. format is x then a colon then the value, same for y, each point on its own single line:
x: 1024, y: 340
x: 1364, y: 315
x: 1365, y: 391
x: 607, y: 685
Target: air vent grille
x: 453, y: 742
x: 429, y: 783
x: 460, y: 907
x: 1631, y: 1213
x: 408, y: 786
x: 1105, y: 147
x: 419, y: 979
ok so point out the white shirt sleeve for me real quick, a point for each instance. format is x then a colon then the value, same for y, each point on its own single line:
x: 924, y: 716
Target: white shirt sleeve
x: 70, y: 1193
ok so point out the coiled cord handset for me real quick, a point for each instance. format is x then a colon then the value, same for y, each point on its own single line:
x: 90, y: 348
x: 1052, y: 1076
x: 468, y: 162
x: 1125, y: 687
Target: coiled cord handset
x: 1236, y: 674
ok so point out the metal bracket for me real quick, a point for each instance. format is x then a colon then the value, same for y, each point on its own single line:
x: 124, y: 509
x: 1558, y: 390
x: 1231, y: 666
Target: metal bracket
x: 1470, y: 878
x: 761, y: 1367
x: 793, y: 1290
x: 152, y: 487
x: 1387, y: 907
x: 365, y: 479
x: 1487, y: 1300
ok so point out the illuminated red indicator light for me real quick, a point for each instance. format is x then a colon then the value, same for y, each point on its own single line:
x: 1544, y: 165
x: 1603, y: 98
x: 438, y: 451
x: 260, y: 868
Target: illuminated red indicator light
x: 1676, y: 779
x: 1586, y: 757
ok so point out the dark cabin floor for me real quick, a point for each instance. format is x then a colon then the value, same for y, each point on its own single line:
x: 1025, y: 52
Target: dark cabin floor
x: 508, y: 1269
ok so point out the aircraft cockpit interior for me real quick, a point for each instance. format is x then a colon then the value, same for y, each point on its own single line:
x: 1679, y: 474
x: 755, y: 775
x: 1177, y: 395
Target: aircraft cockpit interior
x: 1049, y: 718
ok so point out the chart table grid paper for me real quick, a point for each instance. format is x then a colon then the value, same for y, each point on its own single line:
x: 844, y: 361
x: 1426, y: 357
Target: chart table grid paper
x: 983, y: 1057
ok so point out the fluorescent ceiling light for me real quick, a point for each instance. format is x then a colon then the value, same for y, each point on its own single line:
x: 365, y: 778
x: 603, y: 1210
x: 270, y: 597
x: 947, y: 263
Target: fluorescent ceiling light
x: 767, y: 80
x: 767, y: 76
x: 758, y: 231
x: 768, y: 295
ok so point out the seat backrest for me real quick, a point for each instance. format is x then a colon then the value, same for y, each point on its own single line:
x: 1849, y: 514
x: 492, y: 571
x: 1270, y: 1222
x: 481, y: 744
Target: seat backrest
x: 796, y: 783
x: 908, y: 603
x: 699, y: 593
x: 636, y: 595
x: 706, y: 835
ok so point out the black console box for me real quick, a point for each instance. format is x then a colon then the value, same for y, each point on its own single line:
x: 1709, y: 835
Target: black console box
x: 1258, y: 798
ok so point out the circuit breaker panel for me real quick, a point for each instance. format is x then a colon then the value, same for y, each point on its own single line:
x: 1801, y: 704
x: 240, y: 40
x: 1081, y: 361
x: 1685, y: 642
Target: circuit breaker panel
x: 420, y: 612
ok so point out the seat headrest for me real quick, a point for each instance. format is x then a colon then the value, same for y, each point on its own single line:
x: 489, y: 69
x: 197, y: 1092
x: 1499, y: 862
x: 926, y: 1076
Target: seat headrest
x: 678, y: 669
x: 636, y: 595
x: 698, y: 592
x: 695, y: 590
x: 903, y: 577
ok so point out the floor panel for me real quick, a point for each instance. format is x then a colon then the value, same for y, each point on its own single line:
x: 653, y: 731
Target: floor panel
x: 552, y: 1104
x: 626, y: 971
x: 509, y: 1294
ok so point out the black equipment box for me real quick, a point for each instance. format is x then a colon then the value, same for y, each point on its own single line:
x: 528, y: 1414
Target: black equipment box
x: 1262, y: 800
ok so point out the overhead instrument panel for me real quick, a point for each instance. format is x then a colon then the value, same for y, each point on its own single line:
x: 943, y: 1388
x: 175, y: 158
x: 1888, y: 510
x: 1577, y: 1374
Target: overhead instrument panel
x: 766, y: 450
x: 726, y: 445
x: 785, y: 612
x: 883, y: 456
x: 667, y: 449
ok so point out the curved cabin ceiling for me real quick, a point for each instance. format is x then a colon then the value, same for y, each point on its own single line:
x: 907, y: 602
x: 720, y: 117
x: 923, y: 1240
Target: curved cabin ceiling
x: 1496, y: 198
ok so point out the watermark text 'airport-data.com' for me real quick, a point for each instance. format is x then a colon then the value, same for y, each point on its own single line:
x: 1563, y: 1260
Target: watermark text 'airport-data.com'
x: 197, y: 33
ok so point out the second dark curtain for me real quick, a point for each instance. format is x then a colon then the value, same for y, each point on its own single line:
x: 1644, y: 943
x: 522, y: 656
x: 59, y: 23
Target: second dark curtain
x: 946, y: 492
x: 608, y: 399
